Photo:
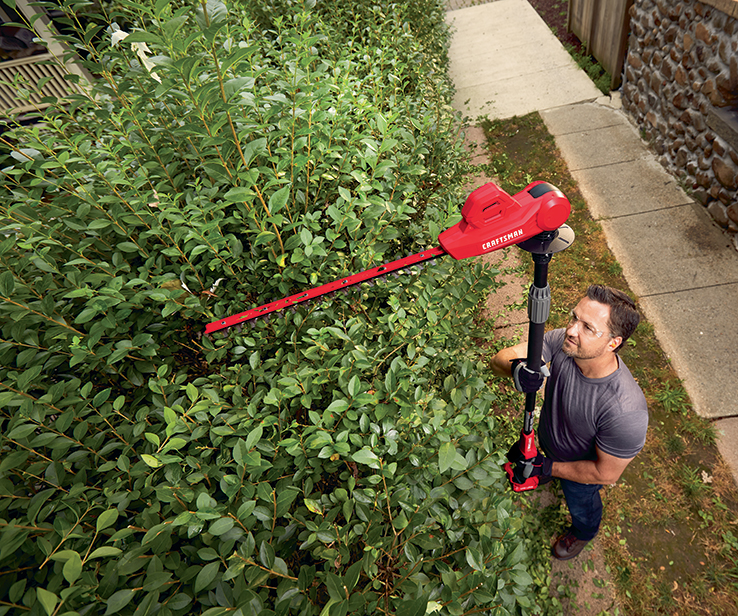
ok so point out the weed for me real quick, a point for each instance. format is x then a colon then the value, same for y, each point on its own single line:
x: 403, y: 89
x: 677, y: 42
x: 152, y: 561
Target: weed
x: 592, y: 67
x: 701, y: 429
x: 691, y: 482
x: 673, y: 399
x: 675, y: 444
x: 615, y: 269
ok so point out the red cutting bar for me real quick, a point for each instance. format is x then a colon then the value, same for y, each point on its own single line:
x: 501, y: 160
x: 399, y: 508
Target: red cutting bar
x: 336, y: 285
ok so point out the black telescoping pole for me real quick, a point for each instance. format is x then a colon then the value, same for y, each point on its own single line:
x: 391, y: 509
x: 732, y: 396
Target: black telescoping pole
x: 539, y: 307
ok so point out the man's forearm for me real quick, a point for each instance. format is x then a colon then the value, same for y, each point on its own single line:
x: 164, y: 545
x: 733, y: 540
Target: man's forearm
x: 501, y: 362
x: 581, y: 471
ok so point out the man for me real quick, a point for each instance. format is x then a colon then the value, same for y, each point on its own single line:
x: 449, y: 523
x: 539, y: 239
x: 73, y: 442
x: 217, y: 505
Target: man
x: 594, y: 415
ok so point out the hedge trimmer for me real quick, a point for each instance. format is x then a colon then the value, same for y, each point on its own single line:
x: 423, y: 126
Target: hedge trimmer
x: 491, y: 220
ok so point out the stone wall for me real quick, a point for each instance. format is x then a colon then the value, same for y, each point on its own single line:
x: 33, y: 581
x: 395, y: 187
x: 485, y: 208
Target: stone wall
x: 681, y: 89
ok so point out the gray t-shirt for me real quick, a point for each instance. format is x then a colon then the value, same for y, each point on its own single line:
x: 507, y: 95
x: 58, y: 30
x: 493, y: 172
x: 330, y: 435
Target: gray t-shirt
x: 580, y: 413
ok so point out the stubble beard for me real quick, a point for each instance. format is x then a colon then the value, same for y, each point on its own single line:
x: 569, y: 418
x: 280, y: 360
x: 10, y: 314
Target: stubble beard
x: 575, y: 352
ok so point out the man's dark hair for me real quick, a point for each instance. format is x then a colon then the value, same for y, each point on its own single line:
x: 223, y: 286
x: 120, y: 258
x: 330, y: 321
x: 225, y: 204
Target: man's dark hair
x: 624, y: 317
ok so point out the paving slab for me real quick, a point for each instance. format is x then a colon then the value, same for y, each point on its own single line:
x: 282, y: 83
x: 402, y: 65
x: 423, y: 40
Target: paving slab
x: 630, y: 187
x: 508, y: 62
x: 727, y: 437
x: 670, y: 250
x: 589, y: 148
x: 487, y: 68
x: 589, y: 116
x: 696, y: 331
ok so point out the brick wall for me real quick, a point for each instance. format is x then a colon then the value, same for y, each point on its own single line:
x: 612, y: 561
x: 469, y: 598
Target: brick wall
x: 681, y: 88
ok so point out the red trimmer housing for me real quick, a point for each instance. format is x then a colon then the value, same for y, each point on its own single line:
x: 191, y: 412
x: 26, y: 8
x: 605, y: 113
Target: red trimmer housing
x: 492, y: 219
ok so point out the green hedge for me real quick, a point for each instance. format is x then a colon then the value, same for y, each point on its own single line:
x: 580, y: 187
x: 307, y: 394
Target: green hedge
x: 339, y: 459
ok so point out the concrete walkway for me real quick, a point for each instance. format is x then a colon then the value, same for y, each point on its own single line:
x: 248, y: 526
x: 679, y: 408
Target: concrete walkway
x: 505, y: 61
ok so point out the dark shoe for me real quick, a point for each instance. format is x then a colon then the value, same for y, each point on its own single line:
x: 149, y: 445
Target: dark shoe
x: 568, y: 546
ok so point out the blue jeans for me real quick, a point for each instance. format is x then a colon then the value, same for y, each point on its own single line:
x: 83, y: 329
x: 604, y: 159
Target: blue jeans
x: 585, y: 507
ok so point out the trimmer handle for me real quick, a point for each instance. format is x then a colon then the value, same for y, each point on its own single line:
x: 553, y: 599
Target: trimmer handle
x: 520, y: 463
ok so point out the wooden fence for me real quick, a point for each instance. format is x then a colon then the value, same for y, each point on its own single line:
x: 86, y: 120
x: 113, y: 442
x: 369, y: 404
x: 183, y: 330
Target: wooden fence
x: 602, y: 26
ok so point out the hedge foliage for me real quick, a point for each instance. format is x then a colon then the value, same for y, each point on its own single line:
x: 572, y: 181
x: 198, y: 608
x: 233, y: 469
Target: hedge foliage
x: 339, y: 459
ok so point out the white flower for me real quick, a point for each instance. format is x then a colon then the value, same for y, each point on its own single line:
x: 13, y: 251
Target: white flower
x: 117, y: 37
x: 140, y: 49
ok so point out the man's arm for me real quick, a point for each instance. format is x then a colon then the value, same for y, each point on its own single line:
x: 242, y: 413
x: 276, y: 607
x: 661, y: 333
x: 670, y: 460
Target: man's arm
x: 605, y: 470
x: 501, y: 362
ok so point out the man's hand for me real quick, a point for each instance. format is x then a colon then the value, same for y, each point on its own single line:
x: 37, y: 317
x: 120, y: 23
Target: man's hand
x: 529, y: 474
x: 526, y: 380
x: 542, y: 467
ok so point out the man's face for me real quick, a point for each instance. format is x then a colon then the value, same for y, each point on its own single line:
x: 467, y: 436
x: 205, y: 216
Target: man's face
x: 587, y: 334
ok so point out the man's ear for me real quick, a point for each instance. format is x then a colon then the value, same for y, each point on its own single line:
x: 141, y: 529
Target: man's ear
x: 615, y: 342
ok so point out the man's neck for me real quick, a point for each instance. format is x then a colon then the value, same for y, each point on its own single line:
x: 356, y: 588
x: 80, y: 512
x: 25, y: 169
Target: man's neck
x: 598, y: 367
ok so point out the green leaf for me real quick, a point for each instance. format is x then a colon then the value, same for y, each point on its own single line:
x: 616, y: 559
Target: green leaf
x: 413, y: 607
x: 254, y: 148
x: 141, y: 36
x: 86, y: 315
x: 254, y: 437
x: 72, y: 568
x: 239, y: 194
x: 44, y: 266
x: 474, y: 559
x: 21, y: 431
x: 7, y: 284
x: 463, y: 483
x: 366, y: 456
x: 48, y: 600
x: 154, y: 532
x: 337, y: 406
x: 206, y: 576
x: 191, y: 391
x: 240, y: 451
x: 28, y: 377
x: 266, y: 555
x: 318, y: 440
x: 521, y: 577
x: 335, y: 586
x: 400, y: 522
x: 446, y: 456
x: 264, y: 238
x: 278, y: 200
x: 159, y: 7
x: 104, y: 551
x: 150, y: 460
x: 353, y: 386
x: 119, y: 600
x: 222, y: 526
x: 285, y: 498
x: 314, y: 506
x: 352, y: 575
